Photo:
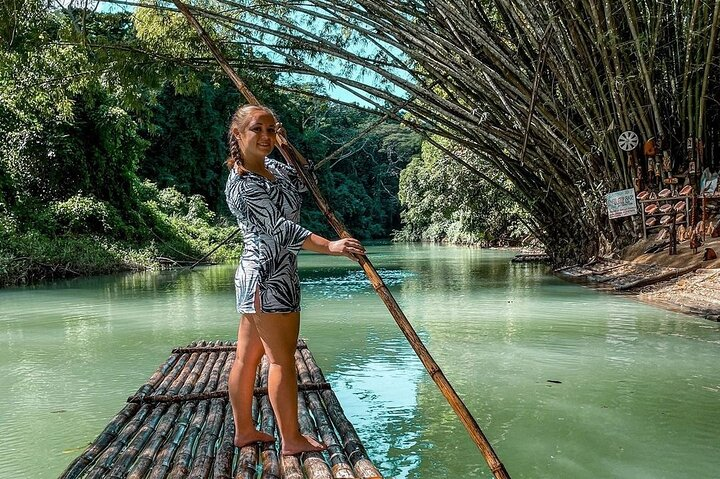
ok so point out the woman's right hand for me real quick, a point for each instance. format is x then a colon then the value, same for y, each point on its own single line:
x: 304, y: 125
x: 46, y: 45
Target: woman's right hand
x: 346, y: 247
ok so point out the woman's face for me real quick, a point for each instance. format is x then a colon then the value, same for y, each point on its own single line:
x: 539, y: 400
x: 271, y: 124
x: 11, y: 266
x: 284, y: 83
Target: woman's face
x: 257, y: 139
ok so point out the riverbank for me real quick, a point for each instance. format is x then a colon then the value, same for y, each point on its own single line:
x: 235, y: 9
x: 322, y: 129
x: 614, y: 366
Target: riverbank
x: 86, y: 236
x: 32, y: 258
x: 685, y: 282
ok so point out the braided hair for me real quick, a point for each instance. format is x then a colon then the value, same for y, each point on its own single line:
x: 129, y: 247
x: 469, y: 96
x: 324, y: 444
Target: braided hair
x: 240, y: 120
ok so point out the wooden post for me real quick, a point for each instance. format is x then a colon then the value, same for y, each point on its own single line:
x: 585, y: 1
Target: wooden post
x: 672, y: 250
x: 295, y: 159
x: 704, y: 216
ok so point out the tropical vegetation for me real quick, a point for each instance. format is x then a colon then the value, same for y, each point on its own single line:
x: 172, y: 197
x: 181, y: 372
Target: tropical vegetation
x: 539, y: 91
x: 113, y: 132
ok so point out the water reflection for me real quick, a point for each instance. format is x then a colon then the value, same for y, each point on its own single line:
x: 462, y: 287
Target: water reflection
x: 379, y: 389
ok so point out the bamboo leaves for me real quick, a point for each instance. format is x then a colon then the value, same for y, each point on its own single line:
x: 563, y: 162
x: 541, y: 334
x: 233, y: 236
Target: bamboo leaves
x: 610, y: 67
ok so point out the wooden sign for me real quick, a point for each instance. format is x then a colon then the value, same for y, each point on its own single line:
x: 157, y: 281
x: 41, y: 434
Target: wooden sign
x: 621, y: 203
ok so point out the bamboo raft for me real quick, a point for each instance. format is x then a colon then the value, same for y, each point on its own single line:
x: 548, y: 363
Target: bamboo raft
x: 179, y: 424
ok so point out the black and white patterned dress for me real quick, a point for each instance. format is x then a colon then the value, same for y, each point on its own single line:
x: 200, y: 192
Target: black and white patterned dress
x: 267, y: 212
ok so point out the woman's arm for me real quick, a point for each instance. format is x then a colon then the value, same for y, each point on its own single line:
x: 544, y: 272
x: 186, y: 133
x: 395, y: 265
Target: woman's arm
x: 343, y: 247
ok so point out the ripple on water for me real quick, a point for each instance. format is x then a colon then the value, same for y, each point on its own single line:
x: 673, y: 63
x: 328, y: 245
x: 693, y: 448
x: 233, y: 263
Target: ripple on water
x: 343, y: 286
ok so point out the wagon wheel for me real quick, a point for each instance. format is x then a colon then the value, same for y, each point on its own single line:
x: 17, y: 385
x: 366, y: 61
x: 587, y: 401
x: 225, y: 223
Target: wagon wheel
x: 628, y: 140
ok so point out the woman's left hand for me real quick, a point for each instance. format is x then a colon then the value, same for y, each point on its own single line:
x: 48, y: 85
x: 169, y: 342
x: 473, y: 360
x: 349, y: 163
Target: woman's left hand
x: 346, y: 247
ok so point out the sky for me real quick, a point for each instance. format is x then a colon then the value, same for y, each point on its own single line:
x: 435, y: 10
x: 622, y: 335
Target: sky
x: 332, y: 91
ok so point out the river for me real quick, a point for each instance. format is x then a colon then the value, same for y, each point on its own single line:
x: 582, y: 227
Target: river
x: 565, y: 381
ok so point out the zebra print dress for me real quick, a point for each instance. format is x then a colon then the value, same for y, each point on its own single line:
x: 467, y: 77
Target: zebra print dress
x: 267, y: 212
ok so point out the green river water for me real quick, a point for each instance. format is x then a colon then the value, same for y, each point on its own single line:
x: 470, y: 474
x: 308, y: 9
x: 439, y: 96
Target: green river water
x: 565, y: 381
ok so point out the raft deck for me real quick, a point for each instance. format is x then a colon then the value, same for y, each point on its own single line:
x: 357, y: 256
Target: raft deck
x: 179, y: 424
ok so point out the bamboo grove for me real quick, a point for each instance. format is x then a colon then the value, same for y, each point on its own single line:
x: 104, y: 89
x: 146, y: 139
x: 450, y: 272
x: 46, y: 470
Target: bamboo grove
x: 538, y: 90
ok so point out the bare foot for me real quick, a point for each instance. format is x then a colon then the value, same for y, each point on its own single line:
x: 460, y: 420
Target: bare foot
x: 252, y: 437
x: 300, y: 444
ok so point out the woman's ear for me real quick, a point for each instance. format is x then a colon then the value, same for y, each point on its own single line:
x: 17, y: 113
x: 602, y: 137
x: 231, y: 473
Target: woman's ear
x: 236, y: 132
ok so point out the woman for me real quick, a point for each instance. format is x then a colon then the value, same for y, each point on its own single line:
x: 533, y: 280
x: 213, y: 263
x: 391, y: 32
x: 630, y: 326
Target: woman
x: 264, y: 195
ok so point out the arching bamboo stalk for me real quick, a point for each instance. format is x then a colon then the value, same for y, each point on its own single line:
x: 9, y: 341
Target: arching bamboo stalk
x: 533, y: 97
x: 706, y: 70
x: 295, y: 159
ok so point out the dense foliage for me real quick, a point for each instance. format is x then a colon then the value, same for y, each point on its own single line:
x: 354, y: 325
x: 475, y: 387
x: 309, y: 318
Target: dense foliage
x: 541, y: 91
x: 113, y: 135
x: 444, y: 201
x: 361, y: 183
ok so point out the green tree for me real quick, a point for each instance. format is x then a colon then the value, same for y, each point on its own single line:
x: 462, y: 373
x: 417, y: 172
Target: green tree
x: 71, y: 201
x: 444, y: 202
x: 361, y: 181
x: 573, y: 75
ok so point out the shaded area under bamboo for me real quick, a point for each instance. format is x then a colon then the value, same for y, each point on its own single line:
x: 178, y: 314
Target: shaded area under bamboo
x: 179, y: 424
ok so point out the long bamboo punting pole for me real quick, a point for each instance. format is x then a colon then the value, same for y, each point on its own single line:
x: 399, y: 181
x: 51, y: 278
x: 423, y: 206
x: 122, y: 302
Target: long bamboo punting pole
x: 294, y: 158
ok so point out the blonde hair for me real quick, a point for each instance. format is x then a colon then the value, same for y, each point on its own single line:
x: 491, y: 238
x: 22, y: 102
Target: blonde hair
x: 239, y: 120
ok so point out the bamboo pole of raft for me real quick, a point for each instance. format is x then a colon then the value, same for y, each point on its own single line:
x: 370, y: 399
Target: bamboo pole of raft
x: 295, y: 159
x: 341, y: 468
x: 205, y: 452
x: 163, y: 459
x: 118, y: 453
x: 128, y: 456
x: 105, y: 461
x: 290, y: 466
x: 145, y: 459
x: 106, y: 437
x: 313, y: 462
x: 167, y: 451
x: 223, y: 467
x: 205, y: 447
x: 186, y: 449
x: 354, y: 448
x: 118, y: 422
x: 268, y: 454
x: 160, y: 435
x: 181, y: 385
x: 246, y: 467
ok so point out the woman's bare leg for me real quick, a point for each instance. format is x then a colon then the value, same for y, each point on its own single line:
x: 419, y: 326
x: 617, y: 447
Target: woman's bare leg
x: 279, y: 334
x: 241, y: 382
